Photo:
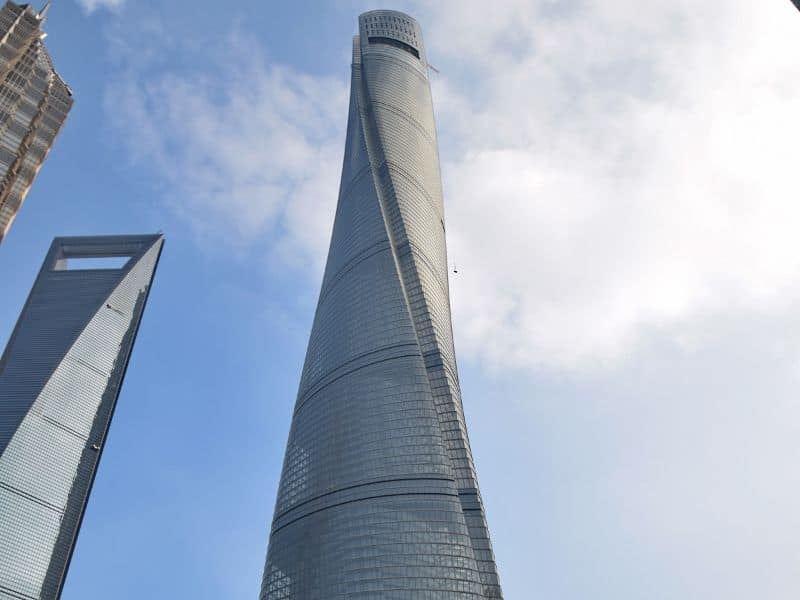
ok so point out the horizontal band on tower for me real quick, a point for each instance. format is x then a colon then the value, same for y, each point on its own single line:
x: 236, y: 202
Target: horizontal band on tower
x: 425, y: 486
x: 393, y: 42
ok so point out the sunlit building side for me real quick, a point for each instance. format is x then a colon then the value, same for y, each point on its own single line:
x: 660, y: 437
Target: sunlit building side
x: 34, y: 103
x: 60, y: 376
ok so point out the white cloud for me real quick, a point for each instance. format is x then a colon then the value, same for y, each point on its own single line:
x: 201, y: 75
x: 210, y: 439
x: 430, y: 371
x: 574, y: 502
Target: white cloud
x: 92, y: 5
x: 245, y: 152
x: 668, y: 476
x: 609, y: 167
x: 614, y: 167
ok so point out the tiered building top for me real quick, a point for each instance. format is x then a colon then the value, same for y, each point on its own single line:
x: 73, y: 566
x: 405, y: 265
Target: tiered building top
x: 34, y: 103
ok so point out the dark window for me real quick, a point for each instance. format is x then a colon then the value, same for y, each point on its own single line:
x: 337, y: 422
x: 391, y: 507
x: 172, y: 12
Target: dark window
x: 395, y: 43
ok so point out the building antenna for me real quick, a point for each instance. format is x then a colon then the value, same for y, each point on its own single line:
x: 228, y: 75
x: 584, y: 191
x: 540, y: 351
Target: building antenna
x: 43, y: 11
x: 434, y: 69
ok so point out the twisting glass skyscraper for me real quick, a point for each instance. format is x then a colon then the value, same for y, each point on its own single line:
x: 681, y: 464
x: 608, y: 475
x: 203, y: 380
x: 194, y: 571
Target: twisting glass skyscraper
x: 378, y: 497
x: 34, y: 103
x: 60, y: 376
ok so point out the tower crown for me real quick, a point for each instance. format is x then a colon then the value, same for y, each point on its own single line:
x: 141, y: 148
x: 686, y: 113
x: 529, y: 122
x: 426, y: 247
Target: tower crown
x: 393, y: 28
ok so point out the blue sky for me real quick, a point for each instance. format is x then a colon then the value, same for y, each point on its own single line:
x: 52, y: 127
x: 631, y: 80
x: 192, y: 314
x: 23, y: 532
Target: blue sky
x: 621, y: 192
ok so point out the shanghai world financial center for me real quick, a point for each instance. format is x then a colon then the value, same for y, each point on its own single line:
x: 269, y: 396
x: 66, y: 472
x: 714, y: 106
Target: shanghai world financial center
x: 378, y: 496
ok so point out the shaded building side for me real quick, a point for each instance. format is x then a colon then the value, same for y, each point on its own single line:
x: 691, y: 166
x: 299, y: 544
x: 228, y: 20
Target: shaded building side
x: 60, y: 376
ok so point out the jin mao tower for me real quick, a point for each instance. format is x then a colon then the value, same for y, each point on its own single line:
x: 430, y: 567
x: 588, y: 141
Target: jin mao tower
x: 34, y: 103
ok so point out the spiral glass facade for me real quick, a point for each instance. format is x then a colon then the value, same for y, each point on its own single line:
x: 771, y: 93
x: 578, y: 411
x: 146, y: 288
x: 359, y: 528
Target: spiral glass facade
x: 378, y: 496
x: 60, y: 376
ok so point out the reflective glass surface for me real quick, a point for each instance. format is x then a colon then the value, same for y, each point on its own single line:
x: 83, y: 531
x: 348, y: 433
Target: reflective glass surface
x: 60, y: 376
x: 378, y: 497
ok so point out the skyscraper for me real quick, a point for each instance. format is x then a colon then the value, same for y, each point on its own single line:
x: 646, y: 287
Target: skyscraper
x: 34, y: 103
x: 378, y: 496
x: 60, y: 377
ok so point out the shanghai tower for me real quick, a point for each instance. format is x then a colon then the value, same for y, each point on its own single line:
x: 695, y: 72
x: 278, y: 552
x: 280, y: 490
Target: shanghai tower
x: 378, y: 496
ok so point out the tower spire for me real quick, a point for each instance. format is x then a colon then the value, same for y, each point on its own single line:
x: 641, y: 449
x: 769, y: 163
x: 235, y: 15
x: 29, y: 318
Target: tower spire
x: 43, y: 11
